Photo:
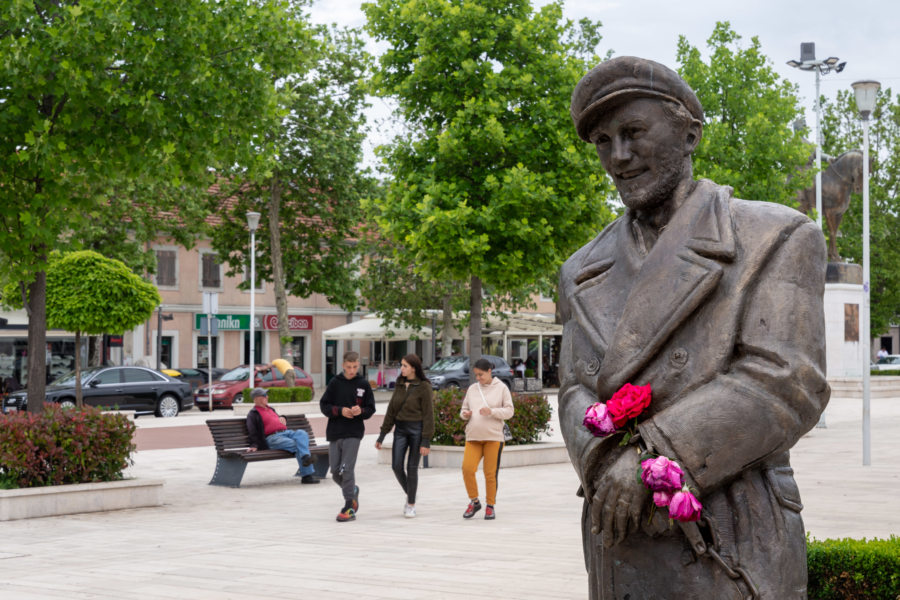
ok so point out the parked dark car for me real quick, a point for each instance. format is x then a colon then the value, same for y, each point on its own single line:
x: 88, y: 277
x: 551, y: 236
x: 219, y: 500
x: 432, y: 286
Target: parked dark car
x: 127, y: 388
x: 196, y: 376
x: 229, y: 390
x: 453, y: 371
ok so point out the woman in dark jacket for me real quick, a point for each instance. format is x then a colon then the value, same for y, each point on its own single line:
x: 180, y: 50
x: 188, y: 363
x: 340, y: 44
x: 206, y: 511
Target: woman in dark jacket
x: 411, y: 414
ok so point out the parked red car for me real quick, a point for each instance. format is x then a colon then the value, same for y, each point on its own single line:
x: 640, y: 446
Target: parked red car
x: 229, y: 390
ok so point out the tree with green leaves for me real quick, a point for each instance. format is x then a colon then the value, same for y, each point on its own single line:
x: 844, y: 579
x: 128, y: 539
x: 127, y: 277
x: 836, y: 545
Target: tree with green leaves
x: 90, y: 293
x: 842, y: 131
x: 491, y: 188
x: 748, y: 142
x: 307, y: 182
x: 99, y: 90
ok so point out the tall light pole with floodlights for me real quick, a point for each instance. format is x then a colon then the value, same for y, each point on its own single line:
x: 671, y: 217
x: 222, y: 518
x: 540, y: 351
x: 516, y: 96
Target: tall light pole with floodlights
x: 866, y: 92
x: 808, y: 62
x: 252, y: 224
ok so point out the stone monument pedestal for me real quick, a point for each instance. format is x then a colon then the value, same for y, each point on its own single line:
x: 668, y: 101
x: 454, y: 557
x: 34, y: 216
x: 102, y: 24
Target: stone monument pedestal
x: 843, y: 302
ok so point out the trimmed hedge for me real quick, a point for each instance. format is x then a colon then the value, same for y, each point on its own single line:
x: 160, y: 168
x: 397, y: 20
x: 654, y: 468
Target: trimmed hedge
x: 891, y: 373
x: 845, y: 569
x: 277, y: 394
x: 530, y: 421
x: 63, y: 445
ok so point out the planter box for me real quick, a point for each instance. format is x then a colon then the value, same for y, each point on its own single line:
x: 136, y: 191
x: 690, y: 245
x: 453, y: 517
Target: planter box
x: 542, y: 453
x: 282, y: 408
x: 54, y: 500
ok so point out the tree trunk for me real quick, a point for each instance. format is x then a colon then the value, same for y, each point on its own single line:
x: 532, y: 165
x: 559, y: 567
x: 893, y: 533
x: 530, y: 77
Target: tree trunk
x: 474, y: 327
x: 284, y: 332
x: 79, y: 402
x: 447, y: 330
x: 37, y: 342
x: 95, y: 350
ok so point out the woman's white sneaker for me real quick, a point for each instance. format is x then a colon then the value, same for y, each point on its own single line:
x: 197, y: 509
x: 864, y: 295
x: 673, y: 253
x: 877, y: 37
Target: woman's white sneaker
x: 409, y: 511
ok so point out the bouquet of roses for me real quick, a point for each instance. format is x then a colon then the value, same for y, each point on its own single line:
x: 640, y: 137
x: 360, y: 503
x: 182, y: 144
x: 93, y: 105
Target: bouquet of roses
x: 628, y: 403
x: 660, y: 475
x: 665, y: 479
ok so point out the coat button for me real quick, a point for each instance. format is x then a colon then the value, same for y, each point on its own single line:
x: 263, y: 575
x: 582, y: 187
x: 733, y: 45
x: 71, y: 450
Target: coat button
x: 593, y: 366
x: 679, y: 357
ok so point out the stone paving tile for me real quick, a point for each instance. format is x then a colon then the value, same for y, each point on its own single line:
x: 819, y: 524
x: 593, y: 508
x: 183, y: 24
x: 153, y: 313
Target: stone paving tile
x: 274, y: 538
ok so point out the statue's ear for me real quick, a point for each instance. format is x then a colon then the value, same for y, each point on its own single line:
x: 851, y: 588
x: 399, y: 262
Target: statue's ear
x: 692, y: 136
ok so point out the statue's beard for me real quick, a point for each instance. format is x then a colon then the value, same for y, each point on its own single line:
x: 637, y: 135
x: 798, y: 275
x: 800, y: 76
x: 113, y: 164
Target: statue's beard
x: 653, y: 188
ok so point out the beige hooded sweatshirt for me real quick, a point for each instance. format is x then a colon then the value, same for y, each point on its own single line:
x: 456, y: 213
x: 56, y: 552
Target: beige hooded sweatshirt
x: 487, y: 428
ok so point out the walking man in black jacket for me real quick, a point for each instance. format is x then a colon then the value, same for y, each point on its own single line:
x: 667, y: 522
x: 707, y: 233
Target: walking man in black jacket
x: 347, y: 402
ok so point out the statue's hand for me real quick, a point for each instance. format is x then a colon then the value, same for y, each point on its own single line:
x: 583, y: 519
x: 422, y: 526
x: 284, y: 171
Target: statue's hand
x: 619, y: 500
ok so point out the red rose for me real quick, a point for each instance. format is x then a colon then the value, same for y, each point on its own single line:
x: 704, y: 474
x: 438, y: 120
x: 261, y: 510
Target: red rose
x: 628, y: 402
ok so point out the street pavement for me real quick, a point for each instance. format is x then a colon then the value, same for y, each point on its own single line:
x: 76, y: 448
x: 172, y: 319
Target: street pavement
x: 275, y: 538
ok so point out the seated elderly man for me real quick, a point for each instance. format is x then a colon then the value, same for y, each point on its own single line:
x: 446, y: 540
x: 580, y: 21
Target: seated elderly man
x: 269, y: 430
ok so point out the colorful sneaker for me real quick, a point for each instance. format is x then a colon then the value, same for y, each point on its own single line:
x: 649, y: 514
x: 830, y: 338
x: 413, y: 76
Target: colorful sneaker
x: 348, y: 514
x: 355, y: 500
x: 409, y: 512
x: 489, y: 513
x: 474, y: 507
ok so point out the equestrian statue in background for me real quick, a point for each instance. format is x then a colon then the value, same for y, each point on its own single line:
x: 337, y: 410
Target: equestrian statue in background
x: 842, y: 176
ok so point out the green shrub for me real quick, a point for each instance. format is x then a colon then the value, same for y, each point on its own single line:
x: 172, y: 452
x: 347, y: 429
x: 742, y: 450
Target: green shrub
x: 846, y: 569
x: 530, y: 421
x: 294, y: 394
x: 58, y: 446
x: 892, y: 372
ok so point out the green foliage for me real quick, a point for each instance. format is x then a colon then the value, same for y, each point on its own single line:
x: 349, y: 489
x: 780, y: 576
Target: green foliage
x: 282, y: 395
x: 842, y: 131
x: 490, y: 179
x: 58, y: 446
x: 849, y: 569
x: 530, y: 421
x: 305, y: 180
x: 89, y: 293
x: 748, y: 142
x: 892, y: 373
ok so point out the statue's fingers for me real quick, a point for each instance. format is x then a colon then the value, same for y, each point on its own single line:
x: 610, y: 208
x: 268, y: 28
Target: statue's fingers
x: 597, y: 509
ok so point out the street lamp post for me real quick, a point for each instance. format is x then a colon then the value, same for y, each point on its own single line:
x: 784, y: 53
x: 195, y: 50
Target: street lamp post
x: 808, y: 62
x: 252, y: 224
x: 865, y: 103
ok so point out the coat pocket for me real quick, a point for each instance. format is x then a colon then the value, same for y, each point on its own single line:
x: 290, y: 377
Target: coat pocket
x: 781, y: 479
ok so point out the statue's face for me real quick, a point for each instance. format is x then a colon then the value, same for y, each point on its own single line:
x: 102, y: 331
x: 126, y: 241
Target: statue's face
x: 643, y: 150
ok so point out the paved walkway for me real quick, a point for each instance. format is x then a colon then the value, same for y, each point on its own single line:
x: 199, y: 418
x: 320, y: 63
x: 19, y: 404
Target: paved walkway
x: 274, y: 538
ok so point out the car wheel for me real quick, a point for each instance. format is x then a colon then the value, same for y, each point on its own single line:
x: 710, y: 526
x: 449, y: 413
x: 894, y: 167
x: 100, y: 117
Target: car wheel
x: 453, y: 385
x: 67, y: 403
x: 238, y: 399
x: 167, y: 406
x: 507, y: 383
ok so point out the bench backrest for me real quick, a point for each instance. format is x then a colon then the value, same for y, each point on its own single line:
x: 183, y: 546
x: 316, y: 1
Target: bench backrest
x: 229, y: 434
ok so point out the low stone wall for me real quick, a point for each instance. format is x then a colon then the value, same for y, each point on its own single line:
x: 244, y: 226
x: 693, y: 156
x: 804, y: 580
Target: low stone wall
x: 49, y: 501
x: 542, y: 453
x: 880, y: 386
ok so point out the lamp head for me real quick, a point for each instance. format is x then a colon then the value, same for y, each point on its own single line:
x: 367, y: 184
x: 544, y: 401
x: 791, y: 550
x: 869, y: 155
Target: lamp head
x: 252, y: 221
x: 866, y: 92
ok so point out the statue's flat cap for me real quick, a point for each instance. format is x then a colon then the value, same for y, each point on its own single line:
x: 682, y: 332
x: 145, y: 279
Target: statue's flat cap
x: 624, y: 77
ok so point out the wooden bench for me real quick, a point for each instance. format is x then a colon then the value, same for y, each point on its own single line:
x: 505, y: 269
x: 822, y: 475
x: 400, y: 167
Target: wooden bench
x: 232, y: 442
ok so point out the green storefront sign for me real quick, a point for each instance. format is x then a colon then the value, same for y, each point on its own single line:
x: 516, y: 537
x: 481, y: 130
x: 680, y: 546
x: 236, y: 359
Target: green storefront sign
x: 228, y: 322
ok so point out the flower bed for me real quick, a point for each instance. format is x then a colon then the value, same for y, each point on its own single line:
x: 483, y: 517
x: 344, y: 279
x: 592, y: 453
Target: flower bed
x: 530, y: 421
x: 62, y: 446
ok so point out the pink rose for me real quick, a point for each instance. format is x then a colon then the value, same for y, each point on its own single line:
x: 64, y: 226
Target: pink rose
x: 598, y: 420
x: 661, y: 474
x: 629, y: 402
x: 684, y: 506
x: 662, y: 499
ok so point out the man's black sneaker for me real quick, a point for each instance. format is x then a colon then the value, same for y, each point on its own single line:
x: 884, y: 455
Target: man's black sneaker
x: 309, y: 479
x: 474, y: 507
x: 307, y: 460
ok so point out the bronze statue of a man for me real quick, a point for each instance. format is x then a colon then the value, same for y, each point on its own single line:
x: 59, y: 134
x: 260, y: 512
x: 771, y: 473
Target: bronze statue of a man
x: 714, y: 302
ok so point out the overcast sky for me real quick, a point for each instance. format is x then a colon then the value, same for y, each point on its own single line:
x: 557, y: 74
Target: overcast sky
x: 864, y: 33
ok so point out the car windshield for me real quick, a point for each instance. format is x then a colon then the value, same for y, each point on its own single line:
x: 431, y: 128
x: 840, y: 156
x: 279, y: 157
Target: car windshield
x: 69, y: 378
x: 889, y: 360
x: 450, y: 363
x: 238, y: 374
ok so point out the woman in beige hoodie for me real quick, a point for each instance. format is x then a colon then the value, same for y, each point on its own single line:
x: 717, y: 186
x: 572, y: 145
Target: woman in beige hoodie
x: 486, y: 406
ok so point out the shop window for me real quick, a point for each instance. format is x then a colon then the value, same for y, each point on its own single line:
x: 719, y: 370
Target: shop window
x: 298, y: 349
x: 203, y: 353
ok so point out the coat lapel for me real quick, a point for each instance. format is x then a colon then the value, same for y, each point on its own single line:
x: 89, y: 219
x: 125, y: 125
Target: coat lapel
x: 682, y: 269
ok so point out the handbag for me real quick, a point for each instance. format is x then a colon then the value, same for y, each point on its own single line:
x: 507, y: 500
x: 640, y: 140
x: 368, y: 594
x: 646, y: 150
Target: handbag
x: 507, y: 432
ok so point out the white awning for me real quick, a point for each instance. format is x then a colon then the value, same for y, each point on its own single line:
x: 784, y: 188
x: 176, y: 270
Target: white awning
x: 372, y: 328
